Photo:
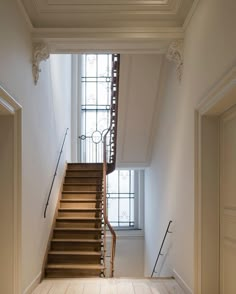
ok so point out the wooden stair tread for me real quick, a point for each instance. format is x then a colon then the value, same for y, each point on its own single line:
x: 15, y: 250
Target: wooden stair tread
x: 82, y: 184
x: 75, y: 266
x: 99, y: 164
x: 81, y: 192
x: 81, y: 200
x: 85, y: 167
x: 79, y: 209
x: 78, y: 218
x: 79, y: 229
x: 85, y: 170
x: 94, y: 253
x: 84, y: 176
x: 77, y: 240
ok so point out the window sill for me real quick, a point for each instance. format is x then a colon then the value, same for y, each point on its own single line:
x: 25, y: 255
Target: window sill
x: 128, y: 233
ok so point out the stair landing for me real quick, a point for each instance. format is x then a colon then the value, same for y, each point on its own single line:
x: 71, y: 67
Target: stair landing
x: 105, y: 286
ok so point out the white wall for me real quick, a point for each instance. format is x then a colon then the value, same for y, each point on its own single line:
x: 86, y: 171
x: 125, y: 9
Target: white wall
x: 161, y: 177
x: 129, y: 255
x: 45, y: 116
x: 41, y: 147
x: 209, y: 51
x: 138, y: 89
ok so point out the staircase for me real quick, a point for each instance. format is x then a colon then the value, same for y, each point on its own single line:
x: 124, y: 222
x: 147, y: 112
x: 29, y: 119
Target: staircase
x: 78, y: 243
x: 76, y: 248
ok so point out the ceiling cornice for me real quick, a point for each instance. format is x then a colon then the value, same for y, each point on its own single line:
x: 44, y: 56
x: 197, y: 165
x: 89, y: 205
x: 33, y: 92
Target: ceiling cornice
x: 144, y: 40
x: 105, y: 13
x: 104, y: 6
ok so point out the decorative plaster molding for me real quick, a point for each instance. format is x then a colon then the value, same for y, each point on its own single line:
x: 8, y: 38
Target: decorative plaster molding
x: 175, y: 54
x: 102, y: 7
x: 110, y: 34
x: 121, y: 40
x: 40, y: 53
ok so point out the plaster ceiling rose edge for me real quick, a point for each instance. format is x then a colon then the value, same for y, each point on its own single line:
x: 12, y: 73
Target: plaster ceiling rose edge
x: 175, y: 54
x: 40, y: 53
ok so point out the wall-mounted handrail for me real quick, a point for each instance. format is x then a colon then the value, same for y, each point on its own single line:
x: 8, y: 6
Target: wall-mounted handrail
x: 55, y: 173
x: 160, y: 253
x: 109, y: 155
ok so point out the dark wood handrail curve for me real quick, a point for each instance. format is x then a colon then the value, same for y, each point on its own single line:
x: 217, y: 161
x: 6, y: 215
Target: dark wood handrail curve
x: 109, y: 155
x: 106, y: 221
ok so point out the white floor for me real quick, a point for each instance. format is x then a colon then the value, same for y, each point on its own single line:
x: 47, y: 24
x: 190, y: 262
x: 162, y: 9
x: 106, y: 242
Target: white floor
x: 108, y: 286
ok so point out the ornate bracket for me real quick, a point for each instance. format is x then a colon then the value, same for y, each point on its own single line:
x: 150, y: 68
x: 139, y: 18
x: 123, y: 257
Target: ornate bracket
x: 175, y: 54
x: 40, y: 53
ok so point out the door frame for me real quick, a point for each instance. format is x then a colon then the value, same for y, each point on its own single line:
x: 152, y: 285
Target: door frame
x: 13, y: 108
x: 217, y: 100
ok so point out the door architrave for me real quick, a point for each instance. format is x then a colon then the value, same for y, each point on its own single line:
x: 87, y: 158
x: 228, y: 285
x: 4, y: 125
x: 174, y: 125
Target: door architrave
x: 13, y: 108
x: 217, y: 100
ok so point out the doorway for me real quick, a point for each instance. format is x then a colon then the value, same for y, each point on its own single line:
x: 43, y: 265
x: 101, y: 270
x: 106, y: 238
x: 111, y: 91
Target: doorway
x: 228, y: 201
x: 10, y: 193
x: 215, y: 193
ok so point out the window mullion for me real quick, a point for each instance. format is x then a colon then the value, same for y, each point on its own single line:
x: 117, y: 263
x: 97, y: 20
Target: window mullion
x: 118, y: 198
x: 136, y: 199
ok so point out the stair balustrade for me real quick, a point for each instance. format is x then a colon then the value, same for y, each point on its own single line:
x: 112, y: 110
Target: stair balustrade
x: 109, y: 154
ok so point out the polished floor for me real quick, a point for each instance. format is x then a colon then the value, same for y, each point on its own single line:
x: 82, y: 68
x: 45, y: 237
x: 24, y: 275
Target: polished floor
x: 108, y: 286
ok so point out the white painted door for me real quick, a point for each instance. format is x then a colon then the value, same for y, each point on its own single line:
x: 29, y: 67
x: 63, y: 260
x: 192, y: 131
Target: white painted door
x: 228, y: 202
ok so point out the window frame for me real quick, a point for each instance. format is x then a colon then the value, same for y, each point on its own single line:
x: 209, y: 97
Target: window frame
x: 88, y: 149
x: 138, y: 202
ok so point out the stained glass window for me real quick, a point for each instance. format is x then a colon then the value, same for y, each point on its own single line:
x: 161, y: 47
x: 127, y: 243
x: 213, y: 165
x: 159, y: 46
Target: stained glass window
x: 95, y: 105
x: 122, y: 195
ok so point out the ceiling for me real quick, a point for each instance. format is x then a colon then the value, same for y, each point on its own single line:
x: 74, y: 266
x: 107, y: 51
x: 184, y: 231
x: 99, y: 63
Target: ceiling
x: 123, y: 26
x: 106, y: 13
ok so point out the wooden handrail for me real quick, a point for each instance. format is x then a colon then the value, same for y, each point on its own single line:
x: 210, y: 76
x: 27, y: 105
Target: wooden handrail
x: 109, y: 156
x: 106, y: 221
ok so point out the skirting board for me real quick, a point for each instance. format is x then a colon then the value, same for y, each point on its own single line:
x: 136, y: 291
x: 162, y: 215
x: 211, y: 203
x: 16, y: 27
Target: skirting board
x: 182, y: 283
x: 33, y: 284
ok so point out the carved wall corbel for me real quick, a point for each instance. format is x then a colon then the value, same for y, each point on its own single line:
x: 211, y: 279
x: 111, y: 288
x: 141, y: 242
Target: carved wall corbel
x: 40, y: 53
x: 175, y: 54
